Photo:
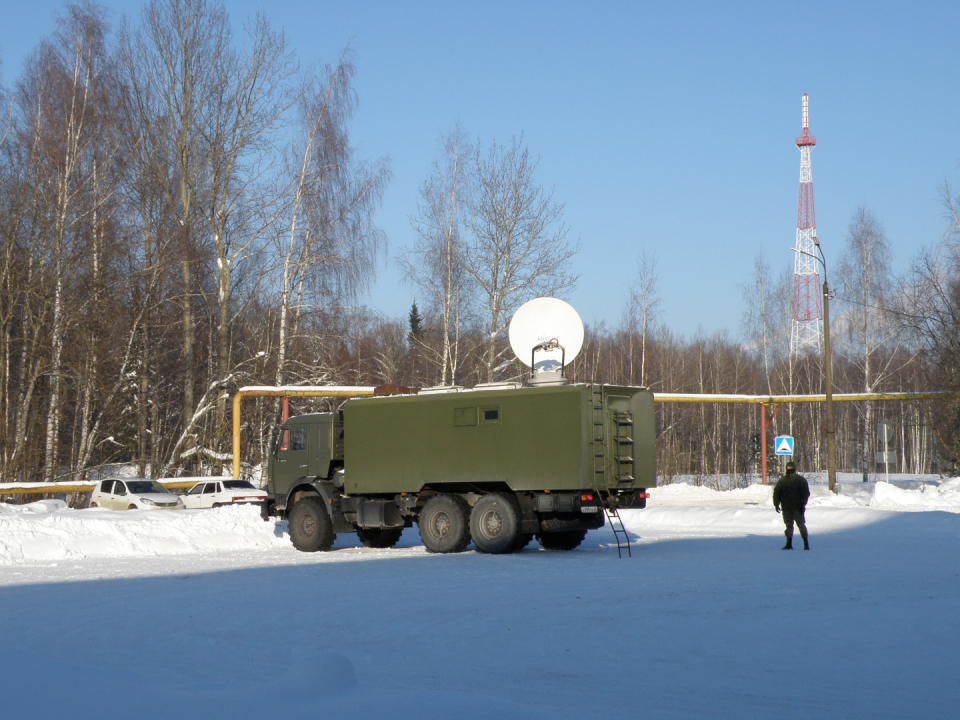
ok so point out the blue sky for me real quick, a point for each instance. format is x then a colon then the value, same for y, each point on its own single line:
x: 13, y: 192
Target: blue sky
x: 666, y: 127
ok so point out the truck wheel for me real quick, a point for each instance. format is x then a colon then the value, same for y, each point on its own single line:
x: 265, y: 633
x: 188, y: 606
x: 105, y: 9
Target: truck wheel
x: 495, y: 524
x: 443, y: 524
x: 561, y: 540
x: 310, y: 526
x: 376, y: 538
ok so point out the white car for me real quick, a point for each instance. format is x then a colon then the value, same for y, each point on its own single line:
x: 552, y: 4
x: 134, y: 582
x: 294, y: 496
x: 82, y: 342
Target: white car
x: 134, y: 495
x: 214, y: 493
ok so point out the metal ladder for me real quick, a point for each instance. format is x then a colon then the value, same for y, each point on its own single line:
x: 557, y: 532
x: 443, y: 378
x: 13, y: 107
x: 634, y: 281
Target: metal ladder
x: 616, y: 524
x: 623, y: 424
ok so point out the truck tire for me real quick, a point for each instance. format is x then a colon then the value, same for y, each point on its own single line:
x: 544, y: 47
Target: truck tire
x: 561, y: 540
x: 379, y: 538
x: 495, y: 524
x: 444, y: 525
x: 310, y: 526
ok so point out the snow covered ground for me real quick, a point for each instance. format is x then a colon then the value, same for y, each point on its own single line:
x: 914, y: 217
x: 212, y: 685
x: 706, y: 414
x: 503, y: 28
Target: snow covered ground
x: 212, y: 613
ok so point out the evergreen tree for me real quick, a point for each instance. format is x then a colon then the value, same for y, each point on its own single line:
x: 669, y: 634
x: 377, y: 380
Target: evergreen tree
x: 416, y: 323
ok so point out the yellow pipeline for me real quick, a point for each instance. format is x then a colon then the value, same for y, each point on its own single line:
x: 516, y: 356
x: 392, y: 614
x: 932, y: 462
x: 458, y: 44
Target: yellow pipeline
x: 780, y: 399
x: 69, y: 487
x: 296, y: 391
x: 349, y: 391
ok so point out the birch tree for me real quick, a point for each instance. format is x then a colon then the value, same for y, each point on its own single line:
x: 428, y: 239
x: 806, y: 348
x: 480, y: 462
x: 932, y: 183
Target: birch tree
x: 331, y: 244
x: 867, y: 334
x: 518, y: 247
x: 173, y: 62
x: 434, y: 260
x: 59, y: 101
x: 642, y: 311
x: 250, y: 94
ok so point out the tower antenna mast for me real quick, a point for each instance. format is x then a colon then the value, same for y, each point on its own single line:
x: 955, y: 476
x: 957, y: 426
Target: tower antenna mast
x: 806, y: 330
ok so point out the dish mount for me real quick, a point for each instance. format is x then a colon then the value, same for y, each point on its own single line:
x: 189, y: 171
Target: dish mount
x: 546, y: 334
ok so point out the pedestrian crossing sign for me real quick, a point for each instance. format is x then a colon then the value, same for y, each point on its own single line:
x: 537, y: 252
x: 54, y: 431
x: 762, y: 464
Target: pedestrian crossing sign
x: 783, y: 445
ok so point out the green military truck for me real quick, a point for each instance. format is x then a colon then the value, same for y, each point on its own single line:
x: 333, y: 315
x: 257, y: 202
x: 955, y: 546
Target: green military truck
x: 496, y: 464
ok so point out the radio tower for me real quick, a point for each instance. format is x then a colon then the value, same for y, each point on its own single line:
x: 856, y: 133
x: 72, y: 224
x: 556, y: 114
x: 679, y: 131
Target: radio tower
x: 807, y: 308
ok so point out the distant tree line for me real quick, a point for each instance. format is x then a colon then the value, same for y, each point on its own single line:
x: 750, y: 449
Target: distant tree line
x: 182, y: 213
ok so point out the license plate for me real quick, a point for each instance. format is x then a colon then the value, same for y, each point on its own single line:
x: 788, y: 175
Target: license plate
x: 589, y: 509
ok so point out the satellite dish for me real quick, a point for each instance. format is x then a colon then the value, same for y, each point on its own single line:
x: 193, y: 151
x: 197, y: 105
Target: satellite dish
x: 551, y: 326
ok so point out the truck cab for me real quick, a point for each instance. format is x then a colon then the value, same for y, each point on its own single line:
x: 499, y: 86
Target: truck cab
x: 307, y: 448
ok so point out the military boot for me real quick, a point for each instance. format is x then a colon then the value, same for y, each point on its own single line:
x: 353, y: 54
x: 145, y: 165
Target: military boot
x: 789, y: 545
x: 806, y: 545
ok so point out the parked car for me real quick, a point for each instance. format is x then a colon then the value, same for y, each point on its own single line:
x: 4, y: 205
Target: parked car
x: 214, y: 493
x: 134, y: 495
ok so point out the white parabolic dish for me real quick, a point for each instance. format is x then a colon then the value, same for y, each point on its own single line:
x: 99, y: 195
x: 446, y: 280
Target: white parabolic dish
x: 540, y: 320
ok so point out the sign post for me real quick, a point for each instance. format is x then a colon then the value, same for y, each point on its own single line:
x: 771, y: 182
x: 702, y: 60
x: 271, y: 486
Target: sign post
x: 885, y: 432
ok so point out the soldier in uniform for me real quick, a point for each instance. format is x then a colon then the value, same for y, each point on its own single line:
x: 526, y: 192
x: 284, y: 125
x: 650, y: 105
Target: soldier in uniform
x: 791, y: 494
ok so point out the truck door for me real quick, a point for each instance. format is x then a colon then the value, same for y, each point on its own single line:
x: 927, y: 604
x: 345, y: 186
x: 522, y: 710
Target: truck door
x: 291, y: 460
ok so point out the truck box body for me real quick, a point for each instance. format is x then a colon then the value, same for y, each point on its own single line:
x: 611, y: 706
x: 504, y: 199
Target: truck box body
x: 564, y: 437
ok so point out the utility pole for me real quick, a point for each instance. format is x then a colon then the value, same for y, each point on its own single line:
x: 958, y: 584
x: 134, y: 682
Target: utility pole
x: 828, y: 379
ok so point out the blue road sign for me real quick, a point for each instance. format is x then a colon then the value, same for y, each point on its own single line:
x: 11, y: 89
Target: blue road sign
x: 783, y: 445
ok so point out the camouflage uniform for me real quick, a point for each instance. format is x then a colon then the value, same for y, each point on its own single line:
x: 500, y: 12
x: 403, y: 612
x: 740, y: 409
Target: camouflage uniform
x: 791, y: 493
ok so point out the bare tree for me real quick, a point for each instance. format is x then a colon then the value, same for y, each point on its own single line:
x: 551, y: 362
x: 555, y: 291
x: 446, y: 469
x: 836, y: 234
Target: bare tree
x: 762, y: 320
x: 173, y: 62
x: 642, y: 312
x: 248, y: 98
x: 63, y: 104
x: 331, y: 246
x: 927, y: 307
x: 866, y: 332
x: 518, y: 245
x: 433, y: 262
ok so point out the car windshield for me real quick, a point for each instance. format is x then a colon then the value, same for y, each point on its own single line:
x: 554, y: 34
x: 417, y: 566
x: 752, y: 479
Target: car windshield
x: 146, y: 486
x: 237, y: 485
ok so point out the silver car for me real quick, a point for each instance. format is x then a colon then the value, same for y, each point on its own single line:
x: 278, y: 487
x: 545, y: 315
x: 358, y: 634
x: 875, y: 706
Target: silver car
x: 134, y: 495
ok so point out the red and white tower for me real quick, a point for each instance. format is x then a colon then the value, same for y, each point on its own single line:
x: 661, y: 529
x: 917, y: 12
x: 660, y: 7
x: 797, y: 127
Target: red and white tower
x: 806, y: 332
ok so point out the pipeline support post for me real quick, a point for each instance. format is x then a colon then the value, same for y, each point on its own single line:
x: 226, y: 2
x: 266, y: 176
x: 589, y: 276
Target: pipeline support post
x: 763, y: 437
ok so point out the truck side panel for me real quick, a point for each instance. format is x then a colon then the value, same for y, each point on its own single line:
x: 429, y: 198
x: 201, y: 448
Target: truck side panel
x: 530, y: 439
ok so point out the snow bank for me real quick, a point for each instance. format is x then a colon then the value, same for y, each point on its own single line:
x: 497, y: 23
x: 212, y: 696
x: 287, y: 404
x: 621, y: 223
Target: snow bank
x: 41, y: 506
x: 47, y: 530
x: 924, y: 495
x: 944, y: 497
x: 681, y: 493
